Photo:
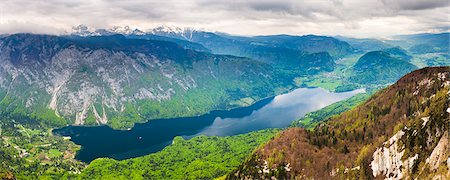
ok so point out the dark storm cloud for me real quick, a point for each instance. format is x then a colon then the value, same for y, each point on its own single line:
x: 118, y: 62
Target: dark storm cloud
x: 443, y: 28
x: 415, y: 4
x: 354, y: 17
x: 286, y: 7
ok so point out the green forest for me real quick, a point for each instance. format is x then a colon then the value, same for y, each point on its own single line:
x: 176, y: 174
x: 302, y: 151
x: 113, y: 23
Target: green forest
x: 29, y: 153
x: 202, y: 157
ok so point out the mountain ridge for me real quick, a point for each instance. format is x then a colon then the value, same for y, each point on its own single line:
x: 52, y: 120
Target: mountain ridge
x: 408, y: 121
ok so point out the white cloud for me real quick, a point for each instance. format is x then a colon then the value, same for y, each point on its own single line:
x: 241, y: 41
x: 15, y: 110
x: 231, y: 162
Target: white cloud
x: 245, y: 17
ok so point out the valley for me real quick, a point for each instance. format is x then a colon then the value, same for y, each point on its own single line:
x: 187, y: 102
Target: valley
x: 191, y: 104
x: 153, y: 136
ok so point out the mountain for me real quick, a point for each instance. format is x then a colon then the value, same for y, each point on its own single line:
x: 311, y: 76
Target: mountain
x: 119, y: 81
x: 279, y: 50
x: 401, y: 132
x: 308, y: 43
x: 379, y: 67
x: 399, y: 53
x: 175, y: 32
x: 185, y: 44
x: 365, y: 44
x: 318, y: 62
x: 414, y: 43
x: 258, y: 46
x: 221, y: 43
x: 84, y: 31
x: 438, y: 60
x: 426, y: 42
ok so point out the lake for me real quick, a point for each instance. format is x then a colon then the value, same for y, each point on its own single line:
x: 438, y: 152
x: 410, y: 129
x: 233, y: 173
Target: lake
x: 153, y: 136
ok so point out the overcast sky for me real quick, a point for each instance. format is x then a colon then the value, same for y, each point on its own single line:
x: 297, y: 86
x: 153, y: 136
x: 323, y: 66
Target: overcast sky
x: 358, y: 18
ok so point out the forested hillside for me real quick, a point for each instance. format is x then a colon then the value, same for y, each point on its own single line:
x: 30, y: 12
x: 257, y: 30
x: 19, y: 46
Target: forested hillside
x: 380, y: 67
x: 400, y: 132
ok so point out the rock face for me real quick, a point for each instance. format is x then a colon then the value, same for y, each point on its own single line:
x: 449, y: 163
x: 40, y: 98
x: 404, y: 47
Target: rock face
x: 401, y: 132
x: 390, y: 163
x: 387, y: 161
x: 440, y: 153
x: 93, y: 80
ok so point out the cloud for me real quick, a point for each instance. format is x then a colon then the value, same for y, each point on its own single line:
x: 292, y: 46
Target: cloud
x: 415, y: 4
x: 28, y: 27
x: 245, y: 17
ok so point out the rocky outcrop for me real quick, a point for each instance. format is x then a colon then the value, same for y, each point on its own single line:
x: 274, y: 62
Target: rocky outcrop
x: 440, y: 154
x: 387, y: 161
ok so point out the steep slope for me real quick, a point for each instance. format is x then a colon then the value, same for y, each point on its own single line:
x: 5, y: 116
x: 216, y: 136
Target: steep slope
x: 379, y: 67
x: 400, y: 132
x: 119, y: 81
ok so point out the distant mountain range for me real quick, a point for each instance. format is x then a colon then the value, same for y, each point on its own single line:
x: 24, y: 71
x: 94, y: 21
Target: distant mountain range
x: 262, y: 48
x: 416, y: 43
x: 426, y: 43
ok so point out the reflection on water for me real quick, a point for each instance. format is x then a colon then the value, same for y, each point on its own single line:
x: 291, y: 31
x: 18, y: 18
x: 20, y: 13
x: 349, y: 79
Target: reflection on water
x: 154, y: 135
x: 280, y: 112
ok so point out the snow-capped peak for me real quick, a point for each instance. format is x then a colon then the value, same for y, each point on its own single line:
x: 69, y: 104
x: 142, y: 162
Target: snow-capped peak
x: 126, y: 30
x: 168, y: 29
x: 163, y: 30
x: 83, y: 30
x: 174, y: 32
